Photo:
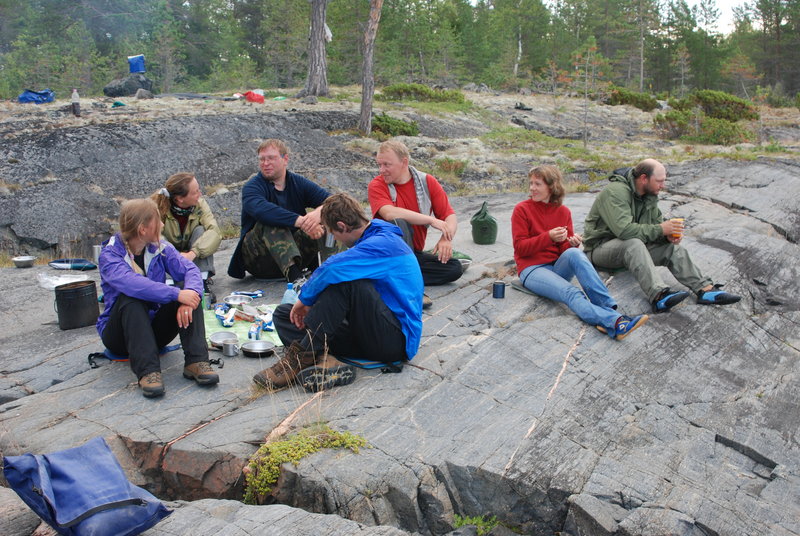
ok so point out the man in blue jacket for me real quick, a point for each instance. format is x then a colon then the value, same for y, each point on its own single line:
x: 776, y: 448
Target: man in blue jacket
x: 278, y: 238
x: 365, y: 302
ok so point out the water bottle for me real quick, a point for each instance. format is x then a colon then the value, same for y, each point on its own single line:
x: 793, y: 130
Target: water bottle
x: 289, y: 295
x: 76, y: 103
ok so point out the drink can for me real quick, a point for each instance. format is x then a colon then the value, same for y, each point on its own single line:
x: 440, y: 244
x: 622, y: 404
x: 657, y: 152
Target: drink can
x: 498, y: 289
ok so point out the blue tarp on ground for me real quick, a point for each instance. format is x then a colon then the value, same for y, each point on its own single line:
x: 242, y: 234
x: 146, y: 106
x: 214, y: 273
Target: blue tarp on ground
x: 37, y: 97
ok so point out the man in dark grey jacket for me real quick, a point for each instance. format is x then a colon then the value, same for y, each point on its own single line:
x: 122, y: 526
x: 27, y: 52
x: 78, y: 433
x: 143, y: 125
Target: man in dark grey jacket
x: 278, y: 237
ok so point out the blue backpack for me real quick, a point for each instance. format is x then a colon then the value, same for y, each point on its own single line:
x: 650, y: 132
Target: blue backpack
x: 83, y: 491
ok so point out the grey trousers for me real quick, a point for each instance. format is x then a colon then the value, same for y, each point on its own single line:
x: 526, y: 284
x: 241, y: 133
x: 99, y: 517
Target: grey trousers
x: 641, y: 260
x: 206, y: 264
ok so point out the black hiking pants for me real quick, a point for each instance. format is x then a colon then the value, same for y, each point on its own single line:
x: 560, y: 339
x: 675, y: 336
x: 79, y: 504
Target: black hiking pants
x: 130, y: 331
x: 350, y: 320
x: 434, y: 272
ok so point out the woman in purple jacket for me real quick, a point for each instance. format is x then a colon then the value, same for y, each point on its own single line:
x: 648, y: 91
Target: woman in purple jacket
x: 142, y: 312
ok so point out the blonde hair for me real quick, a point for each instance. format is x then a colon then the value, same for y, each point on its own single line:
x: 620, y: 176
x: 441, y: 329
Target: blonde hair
x: 177, y: 186
x: 397, y: 147
x: 552, y: 177
x: 273, y: 142
x: 134, y: 213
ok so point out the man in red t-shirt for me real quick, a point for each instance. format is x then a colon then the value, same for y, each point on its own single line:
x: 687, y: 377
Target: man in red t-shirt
x: 414, y: 201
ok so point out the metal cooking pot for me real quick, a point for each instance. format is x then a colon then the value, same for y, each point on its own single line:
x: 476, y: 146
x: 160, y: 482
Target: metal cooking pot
x: 258, y: 348
x: 237, y: 300
x: 220, y: 337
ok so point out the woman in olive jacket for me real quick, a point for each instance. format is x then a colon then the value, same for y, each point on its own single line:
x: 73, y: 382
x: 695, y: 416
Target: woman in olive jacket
x: 189, y: 224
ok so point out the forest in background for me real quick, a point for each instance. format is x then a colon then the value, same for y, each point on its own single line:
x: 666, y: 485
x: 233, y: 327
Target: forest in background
x: 656, y: 46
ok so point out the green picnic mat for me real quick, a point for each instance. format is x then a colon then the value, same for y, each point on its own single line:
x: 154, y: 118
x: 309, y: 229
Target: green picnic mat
x: 240, y: 328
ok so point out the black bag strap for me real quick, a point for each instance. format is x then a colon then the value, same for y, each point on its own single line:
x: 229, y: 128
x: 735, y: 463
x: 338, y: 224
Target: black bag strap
x: 103, y: 507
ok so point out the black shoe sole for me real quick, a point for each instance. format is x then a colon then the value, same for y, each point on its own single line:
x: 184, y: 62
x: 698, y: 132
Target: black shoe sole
x: 724, y: 301
x: 200, y: 381
x: 315, y: 379
x: 672, y: 302
x: 152, y: 394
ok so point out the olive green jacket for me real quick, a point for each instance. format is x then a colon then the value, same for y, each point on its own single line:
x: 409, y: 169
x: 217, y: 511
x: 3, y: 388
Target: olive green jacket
x: 619, y: 212
x: 208, y: 242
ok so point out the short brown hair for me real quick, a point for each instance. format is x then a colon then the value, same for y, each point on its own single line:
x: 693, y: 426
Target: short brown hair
x: 136, y: 212
x: 177, y: 185
x: 343, y: 208
x: 273, y: 142
x: 397, y: 147
x: 552, y: 177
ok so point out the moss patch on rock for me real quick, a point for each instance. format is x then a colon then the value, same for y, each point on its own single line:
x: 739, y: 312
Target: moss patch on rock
x: 264, y: 468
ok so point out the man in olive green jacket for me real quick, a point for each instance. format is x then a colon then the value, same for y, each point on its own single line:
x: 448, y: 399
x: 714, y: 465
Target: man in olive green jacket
x: 625, y: 229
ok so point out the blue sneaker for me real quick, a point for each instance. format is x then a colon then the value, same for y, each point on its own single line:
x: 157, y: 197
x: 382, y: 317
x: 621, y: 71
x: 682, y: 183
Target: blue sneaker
x: 667, y: 299
x: 626, y: 324
x: 715, y: 296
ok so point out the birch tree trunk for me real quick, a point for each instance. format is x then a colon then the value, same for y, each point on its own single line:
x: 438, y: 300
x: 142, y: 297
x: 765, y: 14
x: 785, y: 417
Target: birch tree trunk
x: 368, y: 79
x: 317, y: 80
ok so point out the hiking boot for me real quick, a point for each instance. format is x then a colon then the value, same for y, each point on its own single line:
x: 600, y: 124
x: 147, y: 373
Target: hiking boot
x: 427, y: 302
x: 715, y: 296
x: 284, y: 372
x: 667, y: 299
x: 625, y: 325
x: 151, y: 385
x: 201, y: 372
x: 329, y: 373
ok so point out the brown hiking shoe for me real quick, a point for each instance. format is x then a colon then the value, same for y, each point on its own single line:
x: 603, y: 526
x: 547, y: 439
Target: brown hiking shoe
x: 328, y: 373
x: 427, y: 302
x: 284, y: 372
x: 201, y: 372
x: 151, y: 385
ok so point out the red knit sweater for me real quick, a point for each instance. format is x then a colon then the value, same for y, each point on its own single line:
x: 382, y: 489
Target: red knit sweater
x: 531, y: 222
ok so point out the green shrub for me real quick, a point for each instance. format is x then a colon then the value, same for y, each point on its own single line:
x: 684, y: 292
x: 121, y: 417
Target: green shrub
x: 721, y: 105
x: 674, y: 123
x: 682, y: 105
x: 716, y: 104
x: 420, y: 92
x: 482, y: 523
x: 797, y: 101
x: 722, y: 132
x: 620, y: 95
x: 264, y: 468
x: 773, y: 96
x: 451, y: 165
x: 394, y: 127
x: 772, y: 147
x: 697, y: 127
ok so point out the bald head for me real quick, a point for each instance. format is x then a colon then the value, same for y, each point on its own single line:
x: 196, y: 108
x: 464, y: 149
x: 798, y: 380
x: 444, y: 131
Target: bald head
x: 649, y: 177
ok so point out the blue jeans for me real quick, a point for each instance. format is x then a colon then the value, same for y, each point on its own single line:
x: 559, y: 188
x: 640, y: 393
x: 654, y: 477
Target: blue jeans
x: 553, y: 281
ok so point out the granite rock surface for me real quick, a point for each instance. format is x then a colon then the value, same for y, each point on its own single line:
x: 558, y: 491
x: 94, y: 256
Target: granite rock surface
x: 512, y: 408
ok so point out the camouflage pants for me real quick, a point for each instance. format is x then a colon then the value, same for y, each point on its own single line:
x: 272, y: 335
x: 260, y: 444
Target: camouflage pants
x: 268, y: 252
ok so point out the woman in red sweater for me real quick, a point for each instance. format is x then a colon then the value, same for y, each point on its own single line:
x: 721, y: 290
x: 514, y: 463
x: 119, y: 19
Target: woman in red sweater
x: 547, y: 254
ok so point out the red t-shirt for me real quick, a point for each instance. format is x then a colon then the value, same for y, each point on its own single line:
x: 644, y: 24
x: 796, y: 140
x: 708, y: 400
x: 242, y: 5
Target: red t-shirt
x: 531, y: 222
x: 378, y: 194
